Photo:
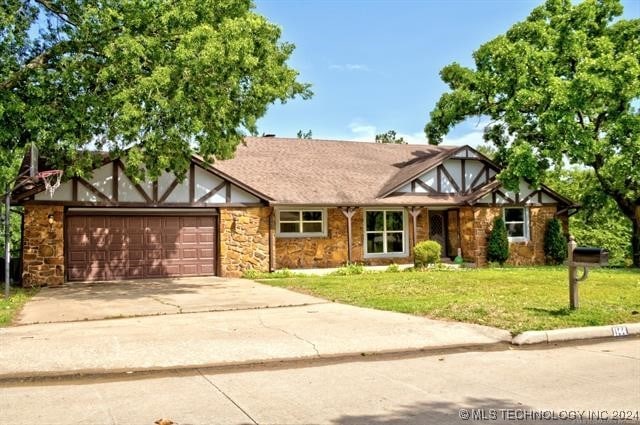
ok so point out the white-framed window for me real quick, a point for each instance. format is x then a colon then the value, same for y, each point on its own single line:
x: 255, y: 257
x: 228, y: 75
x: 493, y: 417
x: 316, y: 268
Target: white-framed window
x: 517, y: 221
x: 294, y: 223
x: 385, y: 233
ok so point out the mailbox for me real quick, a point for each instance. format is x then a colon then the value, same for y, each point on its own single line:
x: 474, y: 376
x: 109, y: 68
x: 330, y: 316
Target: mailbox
x: 585, y: 255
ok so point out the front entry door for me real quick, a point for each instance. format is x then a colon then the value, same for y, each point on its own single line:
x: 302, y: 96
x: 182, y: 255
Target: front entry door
x: 437, y: 229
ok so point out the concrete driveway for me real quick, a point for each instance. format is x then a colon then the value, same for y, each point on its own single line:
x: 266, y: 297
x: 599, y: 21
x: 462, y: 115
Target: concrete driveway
x: 149, y: 297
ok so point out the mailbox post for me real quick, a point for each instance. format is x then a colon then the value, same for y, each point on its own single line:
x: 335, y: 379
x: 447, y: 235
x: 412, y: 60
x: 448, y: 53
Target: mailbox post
x: 584, y: 257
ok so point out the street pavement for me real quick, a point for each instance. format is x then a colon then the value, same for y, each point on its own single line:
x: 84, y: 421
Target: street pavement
x: 584, y: 380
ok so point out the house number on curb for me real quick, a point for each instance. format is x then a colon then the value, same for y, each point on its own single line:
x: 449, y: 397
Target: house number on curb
x: 619, y: 331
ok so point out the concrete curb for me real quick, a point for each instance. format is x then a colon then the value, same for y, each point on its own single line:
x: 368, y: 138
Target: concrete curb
x: 527, y: 338
x: 576, y: 334
x: 226, y: 367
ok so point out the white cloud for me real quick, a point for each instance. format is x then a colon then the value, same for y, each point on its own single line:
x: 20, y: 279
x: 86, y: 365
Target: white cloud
x: 362, y: 132
x: 350, y: 67
x: 417, y: 138
x: 473, y: 138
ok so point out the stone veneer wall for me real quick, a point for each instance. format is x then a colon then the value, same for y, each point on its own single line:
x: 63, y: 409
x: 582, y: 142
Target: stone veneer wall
x: 467, y: 234
x: 43, y: 246
x: 476, y: 225
x: 332, y: 250
x: 244, y: 240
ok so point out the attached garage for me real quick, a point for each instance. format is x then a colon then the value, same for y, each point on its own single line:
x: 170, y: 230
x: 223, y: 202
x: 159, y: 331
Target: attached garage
x: 108, y: 227
x: 114, y: 247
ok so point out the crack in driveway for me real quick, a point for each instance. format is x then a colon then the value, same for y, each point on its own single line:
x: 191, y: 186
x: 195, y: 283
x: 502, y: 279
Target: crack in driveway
x: 290, y: 334
x: 166, y: 303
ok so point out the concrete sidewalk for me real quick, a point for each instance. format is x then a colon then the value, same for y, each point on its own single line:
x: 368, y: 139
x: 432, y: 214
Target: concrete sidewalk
x: 226, y: 338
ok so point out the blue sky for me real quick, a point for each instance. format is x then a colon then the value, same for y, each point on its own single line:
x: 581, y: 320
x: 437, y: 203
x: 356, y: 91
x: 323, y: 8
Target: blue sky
x: 374, y: 64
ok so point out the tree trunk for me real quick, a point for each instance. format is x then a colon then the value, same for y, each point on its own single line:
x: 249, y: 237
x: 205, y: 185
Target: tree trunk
x: 635, y: 238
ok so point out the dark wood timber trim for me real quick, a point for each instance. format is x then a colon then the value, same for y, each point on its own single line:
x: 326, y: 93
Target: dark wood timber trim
x: 450, y: 178
x: 517, y: 197
x: 142, y: 193
x: 166, y: 194
x: 529, y: 197
x: 155, y: 191
x: 504, y: 196
x: 495, y: 204
x: 144, y: 205
x: 439, y: 177
x: 212, y: 192
x: 94, y: 190
x: 475, y: 181
x: 28, y: 193
x: 413, y: 186
x: 74, y: 189
x: 192, y: 182
x: 425, y: 186
x: 463, y: 176
x: 149, y: 212
x: 138, y: 188
x: 540, y: 196
x: 114, y: 181
x: 210, y: 168
x: 493, y: 197
x: 227, y: 194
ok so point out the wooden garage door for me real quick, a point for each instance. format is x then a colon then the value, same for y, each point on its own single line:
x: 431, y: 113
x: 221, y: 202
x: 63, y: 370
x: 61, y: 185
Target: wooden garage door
x: 131, y: 247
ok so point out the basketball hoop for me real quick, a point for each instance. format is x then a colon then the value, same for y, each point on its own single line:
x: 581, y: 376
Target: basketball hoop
x: 51, y: 179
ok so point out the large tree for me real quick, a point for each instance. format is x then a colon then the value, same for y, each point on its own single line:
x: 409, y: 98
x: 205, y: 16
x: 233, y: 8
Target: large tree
x: 563, y: 85
x: 151, y: 80
x: 390, y: 137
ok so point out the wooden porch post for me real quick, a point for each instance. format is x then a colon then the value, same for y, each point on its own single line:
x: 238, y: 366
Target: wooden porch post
x: 348, y: 213
x: 415, y: 212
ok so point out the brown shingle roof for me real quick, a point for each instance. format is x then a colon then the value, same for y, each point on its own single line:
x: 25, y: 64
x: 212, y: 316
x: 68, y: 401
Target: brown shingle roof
x: 326, y: 172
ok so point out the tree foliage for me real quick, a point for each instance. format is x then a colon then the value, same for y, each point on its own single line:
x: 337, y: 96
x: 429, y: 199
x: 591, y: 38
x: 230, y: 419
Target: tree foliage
x: 599, y: 222
x: 498, y: 242
x: 555, y: 244
x: 305, y: 134
x: 150, y: 81
x: 390, y: 137
x: 559, y: 86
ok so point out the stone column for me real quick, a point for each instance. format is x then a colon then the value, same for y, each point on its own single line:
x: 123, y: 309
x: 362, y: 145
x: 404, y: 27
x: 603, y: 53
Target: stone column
x: 43, y: 246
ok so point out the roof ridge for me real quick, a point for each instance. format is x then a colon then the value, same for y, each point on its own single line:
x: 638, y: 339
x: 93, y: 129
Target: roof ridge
x: 363, y: 142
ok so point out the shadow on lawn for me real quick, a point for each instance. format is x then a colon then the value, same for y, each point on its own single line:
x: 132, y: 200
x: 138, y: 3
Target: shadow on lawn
x: 559, y: 312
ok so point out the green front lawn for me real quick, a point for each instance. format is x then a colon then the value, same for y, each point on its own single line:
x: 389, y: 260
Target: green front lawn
x: 9, y: 307
x: 517, y: 299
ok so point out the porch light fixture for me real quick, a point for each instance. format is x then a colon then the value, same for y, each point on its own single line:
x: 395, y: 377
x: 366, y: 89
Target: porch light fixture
x: 51, y: 221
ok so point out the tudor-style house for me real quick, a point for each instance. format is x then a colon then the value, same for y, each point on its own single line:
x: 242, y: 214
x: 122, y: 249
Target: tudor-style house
x: 280, y: 203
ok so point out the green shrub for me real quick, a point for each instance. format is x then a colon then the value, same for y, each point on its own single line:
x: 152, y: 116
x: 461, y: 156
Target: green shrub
x: 349, y: 269
x: 498, y: 242
x: 555, y: 244
x: 427, y: 252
